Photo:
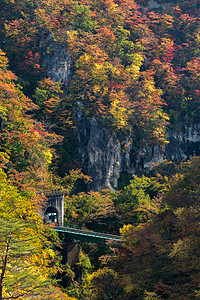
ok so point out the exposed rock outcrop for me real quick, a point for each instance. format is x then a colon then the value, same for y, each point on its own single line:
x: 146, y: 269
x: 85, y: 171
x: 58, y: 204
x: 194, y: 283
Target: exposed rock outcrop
x: 156, y: 5
x: 57, y: 63
x: 102, y: 153
x: 184, y: 142
x: 106, y: 157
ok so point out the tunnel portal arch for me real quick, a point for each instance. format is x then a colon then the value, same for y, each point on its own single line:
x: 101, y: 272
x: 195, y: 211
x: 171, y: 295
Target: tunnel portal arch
x: 51, y: 215
x: 53, y: 208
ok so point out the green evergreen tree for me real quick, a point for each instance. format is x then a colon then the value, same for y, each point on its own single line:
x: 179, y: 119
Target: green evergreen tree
x: 21, y: 275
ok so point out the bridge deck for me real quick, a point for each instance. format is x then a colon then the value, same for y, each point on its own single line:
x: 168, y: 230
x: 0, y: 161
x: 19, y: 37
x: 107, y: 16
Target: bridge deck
x: 80, y: 234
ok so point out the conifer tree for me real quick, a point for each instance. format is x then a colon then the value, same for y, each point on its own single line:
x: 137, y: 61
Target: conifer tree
x: 21, y: 275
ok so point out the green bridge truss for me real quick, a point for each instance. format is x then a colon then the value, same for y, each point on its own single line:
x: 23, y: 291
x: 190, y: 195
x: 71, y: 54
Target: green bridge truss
x: 87, y: 236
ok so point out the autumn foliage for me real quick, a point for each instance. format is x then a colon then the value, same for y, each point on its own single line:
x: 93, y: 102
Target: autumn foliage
x: 135, y: 67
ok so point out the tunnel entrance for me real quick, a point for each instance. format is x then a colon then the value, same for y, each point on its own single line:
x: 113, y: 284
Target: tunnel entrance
x: 52, y: 209
x: 51, y: 215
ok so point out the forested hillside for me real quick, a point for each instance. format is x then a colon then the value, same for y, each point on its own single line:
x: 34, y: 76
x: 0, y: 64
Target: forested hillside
x: 87, y: 90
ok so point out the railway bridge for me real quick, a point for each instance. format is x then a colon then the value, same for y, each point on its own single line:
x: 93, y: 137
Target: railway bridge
x: 53, y: 212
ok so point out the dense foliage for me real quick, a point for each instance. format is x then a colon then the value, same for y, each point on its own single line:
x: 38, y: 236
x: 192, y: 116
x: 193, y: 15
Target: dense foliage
x: 135, y: 66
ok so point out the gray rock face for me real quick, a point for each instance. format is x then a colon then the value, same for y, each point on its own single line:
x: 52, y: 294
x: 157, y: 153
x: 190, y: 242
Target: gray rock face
x: 83, y: 133
x: 57, y: 63
x: 106, y: 157
x: 100, y: 152
x: 154, y: 5
x: 184, y: 142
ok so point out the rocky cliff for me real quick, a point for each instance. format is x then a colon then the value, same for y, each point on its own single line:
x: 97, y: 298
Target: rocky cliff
x: 102, y: 153
x: 57, y: 62
x: 107, y: 157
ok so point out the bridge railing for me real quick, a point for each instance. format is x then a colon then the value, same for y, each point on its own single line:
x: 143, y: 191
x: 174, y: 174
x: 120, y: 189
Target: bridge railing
x: 92, y: 235
x: 75, y: 226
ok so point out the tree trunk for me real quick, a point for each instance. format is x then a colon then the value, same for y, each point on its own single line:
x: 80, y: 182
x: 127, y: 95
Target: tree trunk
x: 4, y: 269
x: 1, y: 284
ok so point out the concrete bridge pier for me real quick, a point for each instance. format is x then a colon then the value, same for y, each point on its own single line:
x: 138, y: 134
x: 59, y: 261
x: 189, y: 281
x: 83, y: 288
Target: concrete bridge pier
x: 70, y: 256
x: 72, y: 253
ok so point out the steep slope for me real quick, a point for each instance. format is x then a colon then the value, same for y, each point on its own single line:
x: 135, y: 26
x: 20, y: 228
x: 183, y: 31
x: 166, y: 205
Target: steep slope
x: 129, y: 68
